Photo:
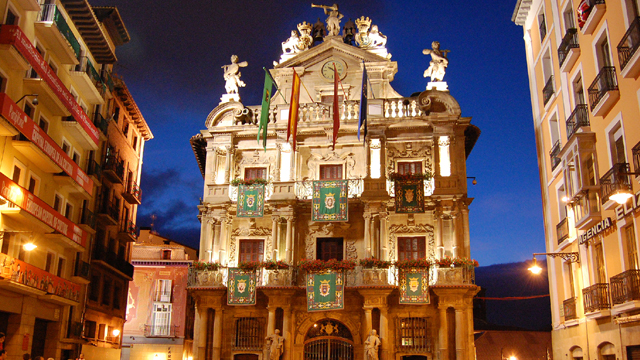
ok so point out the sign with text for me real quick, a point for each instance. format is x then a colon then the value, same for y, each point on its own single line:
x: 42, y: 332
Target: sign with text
x: 627, y: 208
x: 32, y: 204
x: 12, y: 112
x: 596, y: 229
x: 12, y: 35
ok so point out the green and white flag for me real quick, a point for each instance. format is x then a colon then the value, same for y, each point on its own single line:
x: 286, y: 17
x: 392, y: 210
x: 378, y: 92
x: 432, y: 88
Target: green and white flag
x: 241, y: 287
x: 250, y: 201
x: 414, y: 286
x: 330, y: 200
x: 409, y: 196
x: 264, y: 112
x: 325, y: 291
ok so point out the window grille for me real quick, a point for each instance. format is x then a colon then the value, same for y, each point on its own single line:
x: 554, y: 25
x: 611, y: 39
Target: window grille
x: 413, y: 335
x: 249, y: 334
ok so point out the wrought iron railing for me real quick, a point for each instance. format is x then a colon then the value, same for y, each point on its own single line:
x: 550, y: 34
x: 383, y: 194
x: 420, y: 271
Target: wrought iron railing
x: 625, y: 287
x: 113, y: 163
x: 101, y: 123
x: 570, y: 41
x: 93, y: 168
x: 129, y: 227
x: 635, y: 153
x: 107, y: 79
x: 304, y: 189
x: 548, y: 90
x: 555, y: 155
x: 134, y: 190
x: 109, y: 209
x: 160, y: 330
x: 605, y: 81
x: 113, y: 260
x: 86, y: 66
x: 596, y: 297
x: 578, y: 118
x: 250, y: 334
x: 569, y: 307
x: 50, y: 13
x: 629, y: 43
x: 83, y: 270
x: 562, y: 230
x: 87, y: 218
x: 614, y: 180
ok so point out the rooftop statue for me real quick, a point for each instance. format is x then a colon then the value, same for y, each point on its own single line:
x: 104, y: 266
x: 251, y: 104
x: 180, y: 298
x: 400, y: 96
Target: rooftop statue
x: 438, y: 63
x: 371, y: 40
x: 333, y: 21
x: 232, y: 75
x: 296, y: 44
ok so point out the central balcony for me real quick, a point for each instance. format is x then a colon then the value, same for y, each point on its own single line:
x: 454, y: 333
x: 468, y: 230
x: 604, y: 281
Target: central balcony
x: 596, y: 298
x: 603, y: 91
x: 615, y: 180
x: 569, y: 50
x: 625, y: 287
x: 569, y: 307
x: 627, y: 51
x: 579, y: 118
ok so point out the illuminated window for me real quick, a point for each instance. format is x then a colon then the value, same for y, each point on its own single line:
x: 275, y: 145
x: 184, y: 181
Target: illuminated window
x: 255, y: 173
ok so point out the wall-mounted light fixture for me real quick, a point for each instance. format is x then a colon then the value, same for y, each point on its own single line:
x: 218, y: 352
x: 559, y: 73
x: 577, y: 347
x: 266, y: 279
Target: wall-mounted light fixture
x: 34, y: 101
x: 474, y: 182
x: 569, y: 257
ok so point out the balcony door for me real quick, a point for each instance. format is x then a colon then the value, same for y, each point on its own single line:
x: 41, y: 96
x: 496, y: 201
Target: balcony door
x: 329, y: 248
x: 161, y: 319
x: 251, y: 250
x: 411, y: 248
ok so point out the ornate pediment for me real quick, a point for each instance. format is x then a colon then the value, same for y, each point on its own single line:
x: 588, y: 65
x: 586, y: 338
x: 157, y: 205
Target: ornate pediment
x: 327, y: 230
x: 411, y: 230
x: 253, y: 158
x: 346, y: 158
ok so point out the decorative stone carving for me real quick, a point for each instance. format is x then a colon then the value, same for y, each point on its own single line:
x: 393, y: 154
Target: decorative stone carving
x: 371, y: 40
x: 251, y: 158
x: 438, y: 63
x: 275, y: 342
x: 252, y: 231
x: 232, y: 78
x: 420, y: 229
x: 333, y: 20
x: 345, y: 158
x: 297, y: 44
x: 394, y: 153
x: 352, y: 251
x: 324, y: 230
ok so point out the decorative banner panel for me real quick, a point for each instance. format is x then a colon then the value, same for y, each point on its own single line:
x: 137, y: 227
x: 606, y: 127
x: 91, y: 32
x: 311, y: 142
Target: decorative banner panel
x: 250, y: 201
x: 325, y: 291
x: 409, y: 196
x: 330, y: 201
x: 241, y: 288
x: 414, y: 286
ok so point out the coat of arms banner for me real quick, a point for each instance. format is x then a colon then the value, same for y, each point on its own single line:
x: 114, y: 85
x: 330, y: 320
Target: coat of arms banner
x: 409, y: 196
x: 325, y: 291
x: 250, y: 201
x: 414, y: 286
x: 241, y: 287
x: 330, y: 202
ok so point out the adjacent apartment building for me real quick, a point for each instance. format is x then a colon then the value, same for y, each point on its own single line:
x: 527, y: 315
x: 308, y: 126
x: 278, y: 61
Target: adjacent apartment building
x: 583, y: 66
x: 407, y: 136
x: 72, y: 144
x: 160, y: 313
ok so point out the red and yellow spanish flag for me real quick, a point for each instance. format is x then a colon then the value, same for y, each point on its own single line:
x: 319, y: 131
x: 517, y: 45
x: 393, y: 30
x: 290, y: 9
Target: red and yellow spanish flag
x: 294, y: 105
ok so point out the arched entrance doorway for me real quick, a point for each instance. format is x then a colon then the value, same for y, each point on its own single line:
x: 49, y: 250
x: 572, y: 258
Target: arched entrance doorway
x: 328, y: 339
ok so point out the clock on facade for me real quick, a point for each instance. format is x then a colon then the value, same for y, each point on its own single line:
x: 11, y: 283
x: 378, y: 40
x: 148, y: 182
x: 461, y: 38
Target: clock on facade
x: 327, y: 69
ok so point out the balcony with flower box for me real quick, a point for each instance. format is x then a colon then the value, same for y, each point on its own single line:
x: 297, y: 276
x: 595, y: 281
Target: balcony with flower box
x: 614, y: 181
x: 127, y: 232
x: 52, y: 28
x: 206, y: 275
x: 627, y: 51
x: 625, y: 292
x: 132, y: 193
x: 569, y: 50
x: 603, y: 91
x: 596, y: 301
x: 88, y: 81
x: 595, y: 12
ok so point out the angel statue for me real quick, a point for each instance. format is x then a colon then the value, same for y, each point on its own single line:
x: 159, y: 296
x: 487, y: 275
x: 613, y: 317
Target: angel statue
x: 232, y: 75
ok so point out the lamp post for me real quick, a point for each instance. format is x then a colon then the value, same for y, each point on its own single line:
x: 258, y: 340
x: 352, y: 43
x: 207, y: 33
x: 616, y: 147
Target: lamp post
x: 568, y: 256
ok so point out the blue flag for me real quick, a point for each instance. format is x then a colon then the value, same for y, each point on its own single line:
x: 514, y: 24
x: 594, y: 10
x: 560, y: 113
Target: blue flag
x: 362, y: 121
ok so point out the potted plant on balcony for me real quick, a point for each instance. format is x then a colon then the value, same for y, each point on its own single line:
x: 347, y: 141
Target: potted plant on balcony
x: 321, y: 265
x: 248, y: 266
x: 203, y: 265
x: 275, y: 265
x: 413, y: 264
x: 373, y: 263
x: 238, y: 181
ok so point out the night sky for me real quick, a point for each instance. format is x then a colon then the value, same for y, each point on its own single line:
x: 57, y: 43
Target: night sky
x: 172, y: 66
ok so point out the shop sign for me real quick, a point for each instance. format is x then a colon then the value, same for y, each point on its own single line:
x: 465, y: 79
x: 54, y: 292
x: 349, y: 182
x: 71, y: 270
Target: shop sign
x: 628, y: 207
x: 596, y: 229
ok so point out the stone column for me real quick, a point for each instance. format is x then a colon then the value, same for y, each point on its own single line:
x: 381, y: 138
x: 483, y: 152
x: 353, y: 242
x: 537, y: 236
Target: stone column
x: 368, y: 321
x: 271, y: 323
x: 470, y: 345
x: 224, y: 237
x: 200, y: 333
x: 287, y: 332
x: 375, y: 240
x: 276, y: 177
x: 460, y: 330
x: 216, y: 240
x: 274, y: 236
x: 384, y: 333
x: 454, y: 235
x: 384, y: 239
x: 367, y: 160
x: 443, y: 333
x: 289, y: 245
x: 227, y: 165
x: 204, y: 242
x: 367, y: 234
x: 439, y: 242
x: 465, y: 226
x: 217, y: 333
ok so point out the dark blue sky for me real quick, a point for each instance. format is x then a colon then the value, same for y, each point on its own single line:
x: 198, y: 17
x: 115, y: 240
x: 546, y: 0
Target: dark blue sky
x: 172, y: 67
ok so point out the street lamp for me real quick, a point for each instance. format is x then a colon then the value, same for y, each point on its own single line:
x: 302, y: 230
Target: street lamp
x: 569, y: 257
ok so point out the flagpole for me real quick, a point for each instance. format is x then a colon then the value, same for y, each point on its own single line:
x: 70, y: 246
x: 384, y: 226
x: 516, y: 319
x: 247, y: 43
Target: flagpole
x: 276, y: 85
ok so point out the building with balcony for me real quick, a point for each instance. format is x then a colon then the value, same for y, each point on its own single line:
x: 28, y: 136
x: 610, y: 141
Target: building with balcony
x: 64, y: 269
x: 424, y: 132
x: 588, y: 141
x: 160, y: 313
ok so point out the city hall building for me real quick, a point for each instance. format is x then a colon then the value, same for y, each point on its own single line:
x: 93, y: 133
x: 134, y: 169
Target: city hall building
x: 417, y: 134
